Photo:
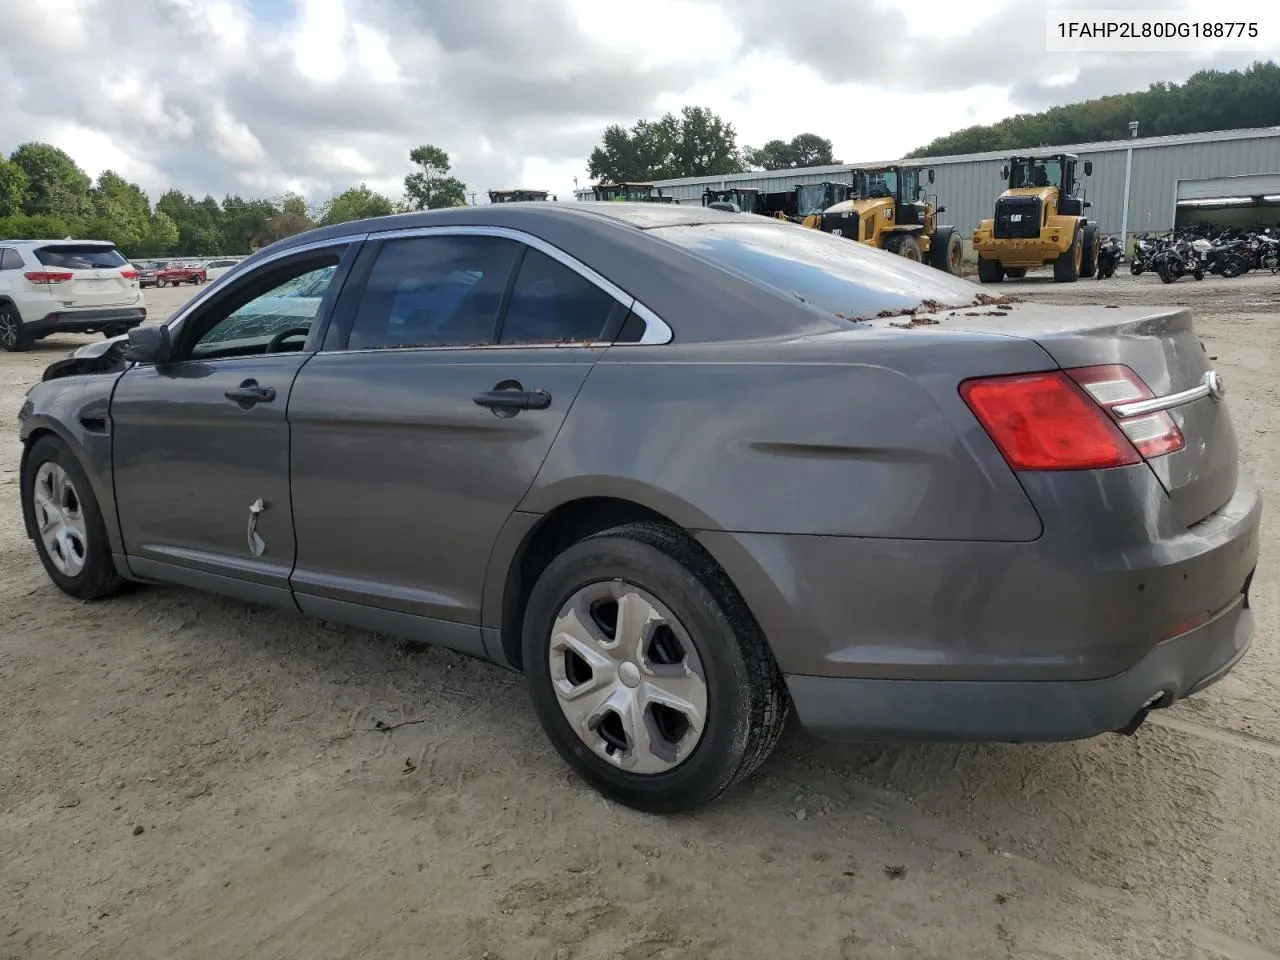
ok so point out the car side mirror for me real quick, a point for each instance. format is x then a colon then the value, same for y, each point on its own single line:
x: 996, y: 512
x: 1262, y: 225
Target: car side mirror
x: 1088, y: 168
x: 941, y: 210
x: 931, y: 174
x: 1087, y: 203
x: 149, y: 344
x: 1004, y: 172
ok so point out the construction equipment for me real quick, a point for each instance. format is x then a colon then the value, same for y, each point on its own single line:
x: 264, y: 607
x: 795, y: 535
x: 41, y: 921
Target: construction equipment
x: 630, y: 192
x: 812, y: 199
x: 1039, y: 220
x: 517, y: 196
x: 889, y: 208
x: 746, y: 199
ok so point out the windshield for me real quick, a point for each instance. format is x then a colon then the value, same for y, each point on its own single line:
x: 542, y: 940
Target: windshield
x: 811, y: 199
x: 849, y: 280
x: 1036, y: 173
x: 877, y: 183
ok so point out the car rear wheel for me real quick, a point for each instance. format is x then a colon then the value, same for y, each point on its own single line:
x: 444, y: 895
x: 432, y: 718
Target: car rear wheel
x: 70, y: 535
x: 1066, y: 268
x: 648, y: 673
x: 13, y: 336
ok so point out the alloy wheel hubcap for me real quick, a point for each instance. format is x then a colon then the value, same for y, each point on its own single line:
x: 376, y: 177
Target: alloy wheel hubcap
x: 60, y: 519
x: 628, y: 677
x: 8, y: 329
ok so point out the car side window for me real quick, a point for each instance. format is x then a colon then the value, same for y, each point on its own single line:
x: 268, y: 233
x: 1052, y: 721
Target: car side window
x: 277, y: 319
x: 552, y: 304
x: 433, y: 291
x: 10, y: 259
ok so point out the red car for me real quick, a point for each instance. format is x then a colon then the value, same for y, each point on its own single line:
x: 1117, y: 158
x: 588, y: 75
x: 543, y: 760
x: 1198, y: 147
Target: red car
x: 176, y: 273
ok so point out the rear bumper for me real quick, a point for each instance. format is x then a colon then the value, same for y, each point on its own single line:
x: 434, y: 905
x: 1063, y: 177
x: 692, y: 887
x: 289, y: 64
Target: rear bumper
x: 1061, y: 637
x: 86, y: 321
x: 841, y: 708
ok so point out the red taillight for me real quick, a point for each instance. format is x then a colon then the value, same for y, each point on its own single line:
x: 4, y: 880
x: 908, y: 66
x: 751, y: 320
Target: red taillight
x: 48, y: 276
x: 129, y: 274
x: 1045, y: 421
x: 1112, y: 384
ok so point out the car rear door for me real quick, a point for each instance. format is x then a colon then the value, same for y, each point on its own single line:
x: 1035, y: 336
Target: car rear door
x: 200, y: 445
x: 422, y: 424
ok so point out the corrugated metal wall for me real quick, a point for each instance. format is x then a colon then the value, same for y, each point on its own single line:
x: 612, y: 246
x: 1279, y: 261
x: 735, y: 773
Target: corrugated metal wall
x: 968, y: 187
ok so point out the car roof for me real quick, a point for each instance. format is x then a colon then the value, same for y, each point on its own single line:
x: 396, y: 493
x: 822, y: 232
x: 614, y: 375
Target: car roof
x: 76, y: 240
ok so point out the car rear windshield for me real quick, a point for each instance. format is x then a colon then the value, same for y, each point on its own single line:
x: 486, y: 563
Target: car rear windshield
x: 831, y: 273
x: 80, y: 256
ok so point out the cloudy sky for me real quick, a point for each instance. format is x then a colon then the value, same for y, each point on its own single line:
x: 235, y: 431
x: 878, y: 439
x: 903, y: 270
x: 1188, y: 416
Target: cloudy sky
x: 262, y: 96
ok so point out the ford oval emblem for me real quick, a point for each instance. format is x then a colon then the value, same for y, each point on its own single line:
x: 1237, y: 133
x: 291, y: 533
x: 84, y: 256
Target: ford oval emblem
x: 1217, y: 387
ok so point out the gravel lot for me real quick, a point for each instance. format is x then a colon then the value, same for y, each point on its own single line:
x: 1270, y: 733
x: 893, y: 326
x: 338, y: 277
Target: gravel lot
x: 186, y: 776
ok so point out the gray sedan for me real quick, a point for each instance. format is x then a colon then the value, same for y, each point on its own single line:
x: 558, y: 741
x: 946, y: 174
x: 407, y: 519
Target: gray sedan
x: 684, y: 469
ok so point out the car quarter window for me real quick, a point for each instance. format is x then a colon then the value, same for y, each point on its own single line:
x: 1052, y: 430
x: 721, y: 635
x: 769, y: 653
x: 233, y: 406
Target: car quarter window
x: 552, y: 304
x: 271, y: 310
x: 441, y: 290
x: 10, y: 259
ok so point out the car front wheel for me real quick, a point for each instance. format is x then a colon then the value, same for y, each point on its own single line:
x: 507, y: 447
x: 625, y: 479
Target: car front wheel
x: 70, y: 535
x: 648, y: 672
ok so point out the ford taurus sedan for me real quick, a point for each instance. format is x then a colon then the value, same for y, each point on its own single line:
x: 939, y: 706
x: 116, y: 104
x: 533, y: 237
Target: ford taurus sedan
x: 686, y: 470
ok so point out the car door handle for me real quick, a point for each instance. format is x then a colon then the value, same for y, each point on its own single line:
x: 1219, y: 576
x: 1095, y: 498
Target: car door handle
x: 249, y: 393
x: 514, y: 399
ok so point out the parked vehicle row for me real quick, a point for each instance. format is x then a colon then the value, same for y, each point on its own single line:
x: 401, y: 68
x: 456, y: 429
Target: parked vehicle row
x: 162, y: 273
x: 522, y: 432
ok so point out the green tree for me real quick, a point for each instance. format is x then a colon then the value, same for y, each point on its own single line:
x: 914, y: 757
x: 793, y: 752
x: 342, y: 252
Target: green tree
x: 162, y: 236
x: 431, y: 187
x: 355, y: 204
x: 199, y: 223
x: 242, y: 220
x: 14, y: 184
x: 57, y: 185
x: 802, y: 150
x: 1208, y: 100
x: 287, y: 223
x: 695, y: 143
x: 121, y: 212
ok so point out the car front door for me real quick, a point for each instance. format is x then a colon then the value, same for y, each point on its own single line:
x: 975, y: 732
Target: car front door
x: 200, y: 444
x: 417, y: 431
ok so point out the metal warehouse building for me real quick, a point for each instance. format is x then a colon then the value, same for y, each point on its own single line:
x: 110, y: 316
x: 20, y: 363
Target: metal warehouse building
x: 1141, y: 185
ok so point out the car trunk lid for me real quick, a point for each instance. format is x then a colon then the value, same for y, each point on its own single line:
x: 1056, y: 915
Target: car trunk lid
x: 1161, y: 346
x: 97, y: 275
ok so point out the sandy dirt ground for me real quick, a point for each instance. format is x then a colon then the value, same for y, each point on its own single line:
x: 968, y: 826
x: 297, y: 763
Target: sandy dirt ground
x: 183, y: 776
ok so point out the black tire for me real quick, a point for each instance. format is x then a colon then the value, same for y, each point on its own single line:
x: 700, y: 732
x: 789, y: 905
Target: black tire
x: 746, y: 697
x: 1089, y: 256
x: 1232, y: 267
x: 1198, y: 273
x: 1066, y: 268
x: 908, y: 247
x: 97, y: 577
x: 946, y: 251
x: 989, y: 271
x: 1015, y: 273
x: 160, y: 283
x: 1136, y: 268
x: 1166, y: 271
x: 13, y: 334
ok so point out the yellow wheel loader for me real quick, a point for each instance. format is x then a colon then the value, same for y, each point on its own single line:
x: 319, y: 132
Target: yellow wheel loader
x: 516, y: 196
x: 889, y: 208
x: 1039, y: 220
x: 630, y: 192
x: 811, y: 199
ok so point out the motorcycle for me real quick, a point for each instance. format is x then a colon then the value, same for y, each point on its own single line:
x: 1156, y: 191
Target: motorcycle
x: 1176, y: 260
x: 1269, y: 256
x: 1144, y: 248
x: 1109, y: 258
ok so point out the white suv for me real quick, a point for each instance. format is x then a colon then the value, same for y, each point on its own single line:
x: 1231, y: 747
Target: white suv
x: 78, y: 286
